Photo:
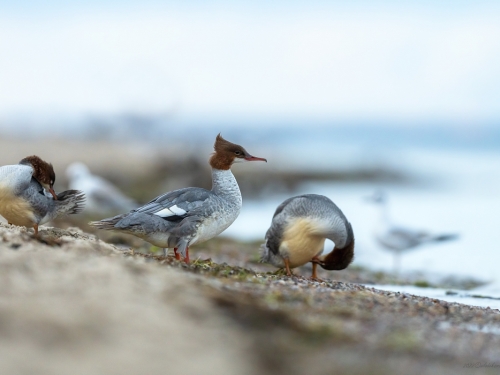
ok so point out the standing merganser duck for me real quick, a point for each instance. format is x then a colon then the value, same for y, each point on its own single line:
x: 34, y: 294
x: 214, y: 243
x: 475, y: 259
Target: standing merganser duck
x: 298, y: 231
x: 398, y: 239
x: 23, y: 200
x: 103, y: 198
x: 184, y: 217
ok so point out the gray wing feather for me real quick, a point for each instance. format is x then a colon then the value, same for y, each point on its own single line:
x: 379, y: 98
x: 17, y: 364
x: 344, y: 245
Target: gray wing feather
x: 144, y: 220
x: 188, y: 199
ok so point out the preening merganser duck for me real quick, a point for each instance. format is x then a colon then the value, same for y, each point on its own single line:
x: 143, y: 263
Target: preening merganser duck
x: 184, y: 217
x: 103, y: 198
x: 398, y: 239
x: 23, y: 199
x: 298, y: 231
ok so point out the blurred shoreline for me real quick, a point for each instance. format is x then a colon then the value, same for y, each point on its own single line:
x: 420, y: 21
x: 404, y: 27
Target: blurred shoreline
x: 450, y: 189
x: 166, y: 131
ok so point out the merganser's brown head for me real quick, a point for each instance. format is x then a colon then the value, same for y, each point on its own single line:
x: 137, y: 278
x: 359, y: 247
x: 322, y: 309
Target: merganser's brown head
x: 43, y: 172
x: 227, y: 153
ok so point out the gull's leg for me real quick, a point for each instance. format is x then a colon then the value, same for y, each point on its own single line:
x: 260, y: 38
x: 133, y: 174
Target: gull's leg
x: 186, y: 258
x: 397, y: 263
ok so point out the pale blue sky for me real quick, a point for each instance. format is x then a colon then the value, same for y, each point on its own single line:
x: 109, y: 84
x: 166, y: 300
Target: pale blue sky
x: 340, y: 60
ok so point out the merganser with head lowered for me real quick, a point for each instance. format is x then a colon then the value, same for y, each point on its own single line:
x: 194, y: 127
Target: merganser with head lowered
x: 298, y: 231
x: 184, y: 217
x: 23, y: 199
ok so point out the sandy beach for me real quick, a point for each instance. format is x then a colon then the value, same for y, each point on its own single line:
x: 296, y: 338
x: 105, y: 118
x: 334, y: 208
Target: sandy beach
x: 71, y: 303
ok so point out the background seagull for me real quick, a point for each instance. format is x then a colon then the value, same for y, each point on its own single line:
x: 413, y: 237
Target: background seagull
x: 399, y: 239
x: 103, y: 198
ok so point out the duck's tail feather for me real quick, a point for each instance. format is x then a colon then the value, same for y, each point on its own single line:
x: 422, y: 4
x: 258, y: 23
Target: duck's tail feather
x: 106, y: 224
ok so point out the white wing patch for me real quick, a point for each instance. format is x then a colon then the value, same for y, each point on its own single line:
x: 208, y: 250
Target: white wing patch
x: 171, y: 211
x: 177, y: 210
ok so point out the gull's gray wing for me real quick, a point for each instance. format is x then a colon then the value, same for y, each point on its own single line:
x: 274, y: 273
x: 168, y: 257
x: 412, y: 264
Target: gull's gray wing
x: 398, y: 238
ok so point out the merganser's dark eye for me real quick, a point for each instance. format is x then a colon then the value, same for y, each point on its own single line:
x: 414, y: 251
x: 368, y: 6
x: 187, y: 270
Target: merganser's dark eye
x: 238, y: 153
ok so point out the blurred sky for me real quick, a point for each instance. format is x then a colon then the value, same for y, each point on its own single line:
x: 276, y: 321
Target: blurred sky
x: 361, y: 60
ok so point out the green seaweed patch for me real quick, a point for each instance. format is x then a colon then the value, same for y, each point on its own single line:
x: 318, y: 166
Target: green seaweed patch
x: 402, y: 340
x: 357, y: 267
x: 278, y: 272
x: 319, y: 333
x: 317, y: 326
x: 222, y: 270
x: 254, y: 258
x: 483, y: 296
x: 423, y: 284
x: 202, y: 266
x: 155, y: 249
